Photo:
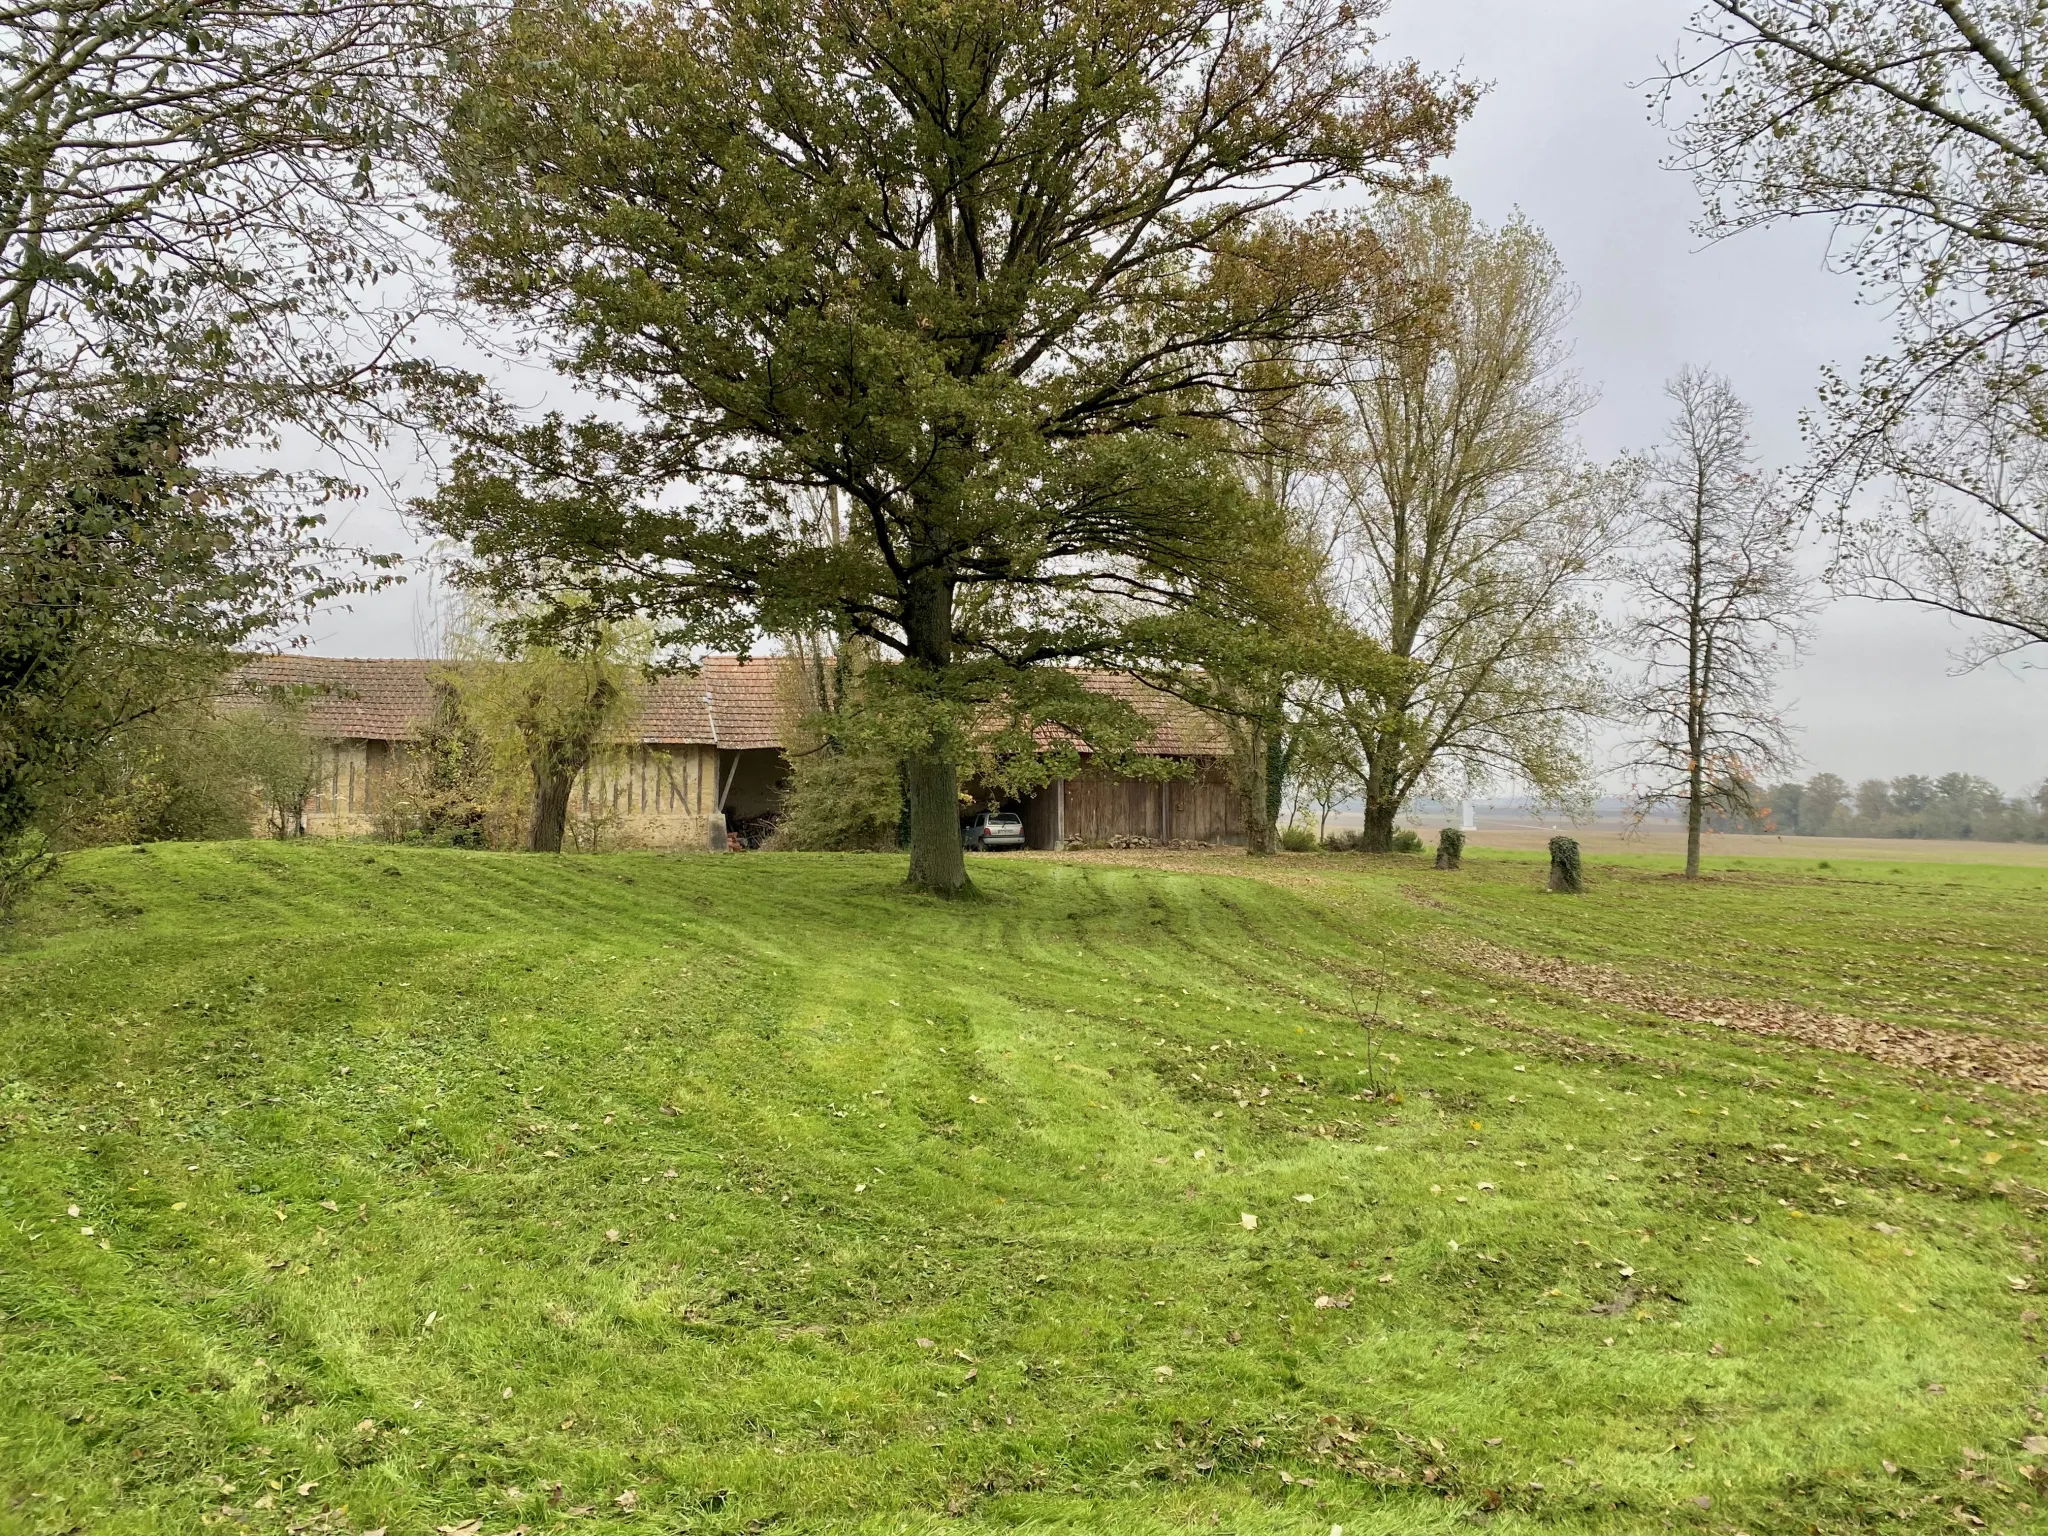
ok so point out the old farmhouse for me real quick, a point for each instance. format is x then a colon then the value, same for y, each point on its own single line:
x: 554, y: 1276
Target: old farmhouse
x: 706, y: 759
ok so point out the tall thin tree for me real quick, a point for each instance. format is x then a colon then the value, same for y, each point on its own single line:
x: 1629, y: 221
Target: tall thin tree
x: 1468, y: 529
x: 1720, y: 610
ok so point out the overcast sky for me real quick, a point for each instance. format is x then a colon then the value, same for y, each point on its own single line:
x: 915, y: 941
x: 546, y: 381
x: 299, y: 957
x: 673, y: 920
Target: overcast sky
x: 1564, y: 134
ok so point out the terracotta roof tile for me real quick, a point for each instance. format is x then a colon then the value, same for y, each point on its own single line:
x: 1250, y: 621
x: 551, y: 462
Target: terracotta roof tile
x: 383, y: 700
x: 350, y: 699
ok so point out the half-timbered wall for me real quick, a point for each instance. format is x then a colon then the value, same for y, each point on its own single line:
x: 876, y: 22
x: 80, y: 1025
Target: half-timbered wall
x: 650, y: 797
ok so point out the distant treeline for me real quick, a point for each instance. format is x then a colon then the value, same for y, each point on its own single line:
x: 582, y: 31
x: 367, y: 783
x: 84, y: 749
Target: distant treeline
x: 1958, y: 805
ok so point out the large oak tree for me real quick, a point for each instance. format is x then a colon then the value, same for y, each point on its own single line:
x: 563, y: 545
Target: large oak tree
x: 982, y: 267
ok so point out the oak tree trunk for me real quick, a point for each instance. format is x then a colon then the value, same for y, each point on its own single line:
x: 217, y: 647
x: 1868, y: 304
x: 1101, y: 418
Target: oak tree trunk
x: 931, y: 778
x: 937, y: 863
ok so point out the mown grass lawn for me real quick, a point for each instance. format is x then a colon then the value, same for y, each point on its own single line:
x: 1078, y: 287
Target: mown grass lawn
x: 345, y: 1187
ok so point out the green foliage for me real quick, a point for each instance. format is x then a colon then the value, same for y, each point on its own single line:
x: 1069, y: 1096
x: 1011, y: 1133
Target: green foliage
x: 547, y: 1059
x: 841, y: 802
x: 171, y: 776
x: 127, y: 578
x: 1407, y: 840
x: 1298, y: 839
x: 1472, y: 531
x: 445, y: 790
x: 984, y: 270
x: 543, y: 714
x: 1955, y: 805
x: 267, y: 746
x: 192, y: 214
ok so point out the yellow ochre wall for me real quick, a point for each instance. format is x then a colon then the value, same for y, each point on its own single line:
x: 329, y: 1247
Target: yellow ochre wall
x: 649, y: 797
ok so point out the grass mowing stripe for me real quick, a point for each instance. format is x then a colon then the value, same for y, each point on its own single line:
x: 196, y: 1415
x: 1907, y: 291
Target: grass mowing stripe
x: 505, y: 1188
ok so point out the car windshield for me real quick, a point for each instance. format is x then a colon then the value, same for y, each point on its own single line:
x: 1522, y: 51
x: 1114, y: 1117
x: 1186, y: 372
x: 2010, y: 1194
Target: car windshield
x: 1004, y: 819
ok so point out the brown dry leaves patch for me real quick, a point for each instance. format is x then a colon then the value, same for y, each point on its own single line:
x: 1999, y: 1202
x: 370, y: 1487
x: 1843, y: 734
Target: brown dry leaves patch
x: 1977, y: 1058
x: 1951, y: 1053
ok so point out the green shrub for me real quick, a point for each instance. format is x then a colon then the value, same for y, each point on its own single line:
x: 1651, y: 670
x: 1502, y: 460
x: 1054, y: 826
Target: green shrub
x: 1298, y: 839
x: 840, y: 802
x: 172, y: 776
x: 1407, y: 840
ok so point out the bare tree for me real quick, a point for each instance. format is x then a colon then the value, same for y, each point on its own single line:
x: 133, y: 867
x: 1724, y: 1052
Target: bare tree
x: 1468, y: 528
x: 1920, y: 129
x: 196, y: 245
x: 1720, y: 609
x: 195, y: 200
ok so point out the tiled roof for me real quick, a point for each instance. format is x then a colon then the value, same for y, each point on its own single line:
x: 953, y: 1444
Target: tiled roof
x: 383, y: 700
x: 745, y: 706
x: 1180, y: 730
x: 349, y: 699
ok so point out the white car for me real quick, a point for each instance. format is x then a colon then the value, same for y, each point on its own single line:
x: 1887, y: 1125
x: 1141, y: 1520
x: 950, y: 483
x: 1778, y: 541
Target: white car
x: 993, y: 829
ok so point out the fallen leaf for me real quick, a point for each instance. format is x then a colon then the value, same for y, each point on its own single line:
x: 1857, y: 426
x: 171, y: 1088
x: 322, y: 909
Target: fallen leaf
x: 306, y: 1489
x: 628, y: 1501
x: 924, y: 1343
x: 1162, y: 1371
x: 466, y: 1528
x: 1304, y: 1199
x: 329, y: 1205
x: 1386, y: 1279
x: 70, y: 1210
x: 2035, y: 1445
x: 1747, y: 1259
x: 1886, y: 1228
x: 1248, y: 1221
